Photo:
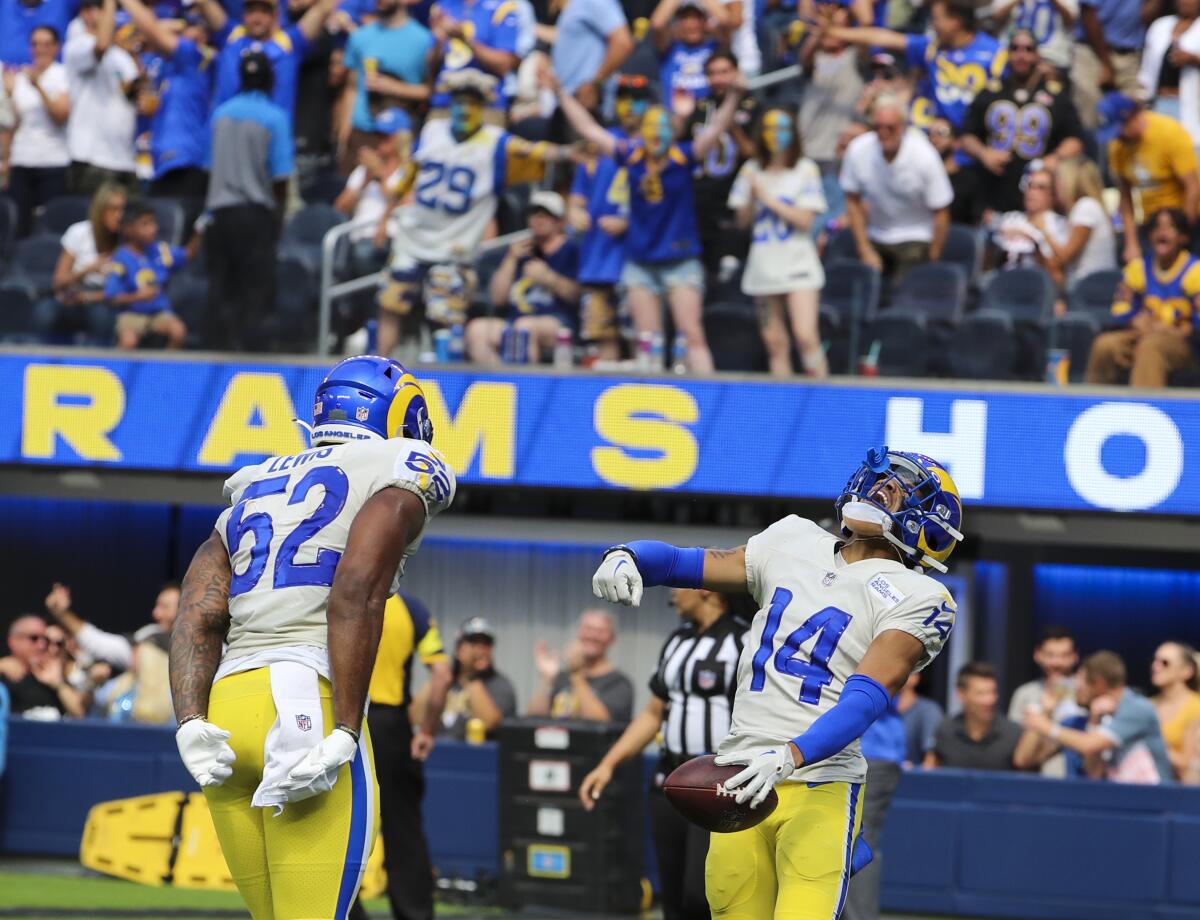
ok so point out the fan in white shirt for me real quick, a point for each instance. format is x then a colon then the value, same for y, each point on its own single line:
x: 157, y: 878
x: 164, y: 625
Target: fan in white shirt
x: 100, y: 132
x: 1091, y: 242
x: 897, y: 192
x: 41, y: 102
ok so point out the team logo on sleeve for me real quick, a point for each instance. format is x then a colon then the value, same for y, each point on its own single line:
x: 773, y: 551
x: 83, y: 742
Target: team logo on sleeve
x: 303, y: 722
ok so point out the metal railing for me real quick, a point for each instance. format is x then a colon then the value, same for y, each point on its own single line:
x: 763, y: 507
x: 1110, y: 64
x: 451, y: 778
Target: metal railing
x: 331, y: 291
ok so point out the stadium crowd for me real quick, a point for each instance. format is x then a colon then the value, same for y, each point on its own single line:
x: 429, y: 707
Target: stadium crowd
x: 941, y: 188
x: 1079, y: 718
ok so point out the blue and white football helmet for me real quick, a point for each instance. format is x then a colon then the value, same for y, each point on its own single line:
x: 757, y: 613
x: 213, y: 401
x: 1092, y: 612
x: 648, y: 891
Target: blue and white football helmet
x: 927, y: 525
x: 370, y: 398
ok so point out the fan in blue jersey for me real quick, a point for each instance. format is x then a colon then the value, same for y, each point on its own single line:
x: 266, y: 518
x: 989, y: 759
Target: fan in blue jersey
x: 681, y: 38
x: 179, y: 131
x: 953, y: 65
x: 663, y: 241
x: 598, y: 210
x: 476, y: 35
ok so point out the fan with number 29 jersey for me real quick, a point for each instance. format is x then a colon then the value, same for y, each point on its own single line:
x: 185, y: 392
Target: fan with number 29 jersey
x: 818, y: 616
x: 287, y: 526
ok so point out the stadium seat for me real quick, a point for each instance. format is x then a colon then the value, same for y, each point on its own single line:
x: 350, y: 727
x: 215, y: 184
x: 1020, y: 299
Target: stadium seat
x: 962, y: 249
x: 904, y: 346
x: 34, y: 260
x: 984, y: 347
x: 731, y: 327
x: 188, y: 293
x: 1075, y: 332
x: 1025, y: 294
x: 8, y: 230
x: 16, y: 312
x: 304, y: 232
x: 510, y: 211
x: 938, y: 290
x: 840, y: 246
x: 1093, y: 293
x: 60, y: 213
x: 851, y: 289
x: 292, y: 326
x: 486, y: 263
x: 170, y: 220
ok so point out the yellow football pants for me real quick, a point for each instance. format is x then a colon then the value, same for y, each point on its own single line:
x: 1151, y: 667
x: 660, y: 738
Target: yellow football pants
x: 307, y: 863
x: 792, y: 866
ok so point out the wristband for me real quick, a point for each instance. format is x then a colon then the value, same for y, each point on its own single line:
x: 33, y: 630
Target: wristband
x: 186, y: 719
x: 348, y: 730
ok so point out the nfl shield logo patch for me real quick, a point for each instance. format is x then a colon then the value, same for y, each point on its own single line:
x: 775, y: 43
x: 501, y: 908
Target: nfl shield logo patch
x: 706, y: 679
x: 361, y: 413
x: 829, y: 579
x: 304, y: 723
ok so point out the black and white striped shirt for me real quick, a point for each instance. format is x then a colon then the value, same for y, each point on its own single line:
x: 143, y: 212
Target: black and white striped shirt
x: 697, y: 678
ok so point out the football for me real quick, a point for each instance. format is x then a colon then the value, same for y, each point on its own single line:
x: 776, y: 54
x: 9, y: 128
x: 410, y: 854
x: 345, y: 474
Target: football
x: 697, y: 791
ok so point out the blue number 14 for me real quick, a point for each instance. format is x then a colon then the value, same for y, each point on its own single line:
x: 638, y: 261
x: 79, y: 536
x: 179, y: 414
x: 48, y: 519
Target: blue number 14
x: 812, y: 669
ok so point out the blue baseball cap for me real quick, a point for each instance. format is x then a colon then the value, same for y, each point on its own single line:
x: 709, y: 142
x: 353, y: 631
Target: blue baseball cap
x: 1114, y: 110
x: 392, y: 121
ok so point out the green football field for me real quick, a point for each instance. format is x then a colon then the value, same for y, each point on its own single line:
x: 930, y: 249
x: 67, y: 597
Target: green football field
x: 65, y: 891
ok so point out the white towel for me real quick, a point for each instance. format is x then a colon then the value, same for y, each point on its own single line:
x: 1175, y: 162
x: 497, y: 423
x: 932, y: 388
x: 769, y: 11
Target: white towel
x: 299, y: 727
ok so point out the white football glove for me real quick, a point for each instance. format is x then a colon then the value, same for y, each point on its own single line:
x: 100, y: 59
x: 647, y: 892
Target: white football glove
x: 205, y: 751
x: 766, y: 766
x: 318, y: 770
x: 618, y: 580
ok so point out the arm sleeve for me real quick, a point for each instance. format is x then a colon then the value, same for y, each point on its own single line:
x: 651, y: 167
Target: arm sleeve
x: 812, y: 193
x: 739, y: 192
x: 863, y: 700
x: 1128, y: 724
x: 423, y: 471
x: 504, y: 29
x: 848, y: 175
x: 105, y: 646
x: 609, y: 17
x: 1182, y: 154
x: 300, y: 43
x: 118, y: 281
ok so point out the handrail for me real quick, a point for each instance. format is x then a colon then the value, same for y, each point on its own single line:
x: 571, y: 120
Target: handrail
x: 329, y: 242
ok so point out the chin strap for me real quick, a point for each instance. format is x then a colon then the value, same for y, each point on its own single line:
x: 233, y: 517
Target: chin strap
x: 307, y: 428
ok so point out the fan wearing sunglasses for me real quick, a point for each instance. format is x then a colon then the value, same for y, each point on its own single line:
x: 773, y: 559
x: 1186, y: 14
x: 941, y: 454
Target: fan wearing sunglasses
x: 1015, y: 121
x: 35, y: 675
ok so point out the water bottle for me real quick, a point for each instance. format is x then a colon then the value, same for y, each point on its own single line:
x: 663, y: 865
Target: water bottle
x: 564, y: 349
x: 679, y: 354
x: 457, y: 348
x: 658, y: 347
x: 645, y: 351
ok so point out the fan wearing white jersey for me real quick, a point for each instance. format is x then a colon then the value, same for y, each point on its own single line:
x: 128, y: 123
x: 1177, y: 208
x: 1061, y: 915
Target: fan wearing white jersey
x: 293, y: 582
x: 842, y: 624
x: 459, y: 168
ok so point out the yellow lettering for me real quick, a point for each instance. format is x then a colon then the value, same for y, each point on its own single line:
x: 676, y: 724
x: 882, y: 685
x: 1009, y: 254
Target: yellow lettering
x: 485, y: 425
x: 85, y: 426
x: 255, y: 417
x: 615, y: 421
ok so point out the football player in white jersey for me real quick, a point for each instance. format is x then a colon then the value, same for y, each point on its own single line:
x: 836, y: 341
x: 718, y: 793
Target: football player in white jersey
x: 459, y: 168
x: 842, y: 624
x: 292, y: 582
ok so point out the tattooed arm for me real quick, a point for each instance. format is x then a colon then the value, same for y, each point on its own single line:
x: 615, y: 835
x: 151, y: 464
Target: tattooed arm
x: 725, y: 569
x: 200, y: 628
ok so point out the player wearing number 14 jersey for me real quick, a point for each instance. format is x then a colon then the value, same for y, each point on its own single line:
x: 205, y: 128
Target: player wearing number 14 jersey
x: 293, y: 581
x: 843, y: 622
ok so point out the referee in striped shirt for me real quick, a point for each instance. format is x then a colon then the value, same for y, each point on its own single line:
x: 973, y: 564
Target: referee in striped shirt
x: 692, y: 698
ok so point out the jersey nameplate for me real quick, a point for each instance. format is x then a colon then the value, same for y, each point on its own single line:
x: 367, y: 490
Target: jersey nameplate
x: 886, y: 591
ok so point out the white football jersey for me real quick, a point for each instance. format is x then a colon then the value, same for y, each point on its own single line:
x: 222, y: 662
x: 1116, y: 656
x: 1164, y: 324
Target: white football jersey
x: 287, y: 526
x: 818, y: 616
x: 455, y: 194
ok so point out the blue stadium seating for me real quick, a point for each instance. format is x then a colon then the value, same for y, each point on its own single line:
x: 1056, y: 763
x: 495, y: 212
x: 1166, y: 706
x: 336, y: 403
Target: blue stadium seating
x: 733, y: 337
x: 16, y: 312
x: 937, y: 289
x: 983, y: 347
x: 962, y: 249
x: 8, y: 230
x: 1094, y: 293
x: 905, y: 347
x: 1026, y: 294
x: 1075, y: 331
x: 34, y: 261
x: 304, y: 231
x: 60, y: 213
x: 170, y: 220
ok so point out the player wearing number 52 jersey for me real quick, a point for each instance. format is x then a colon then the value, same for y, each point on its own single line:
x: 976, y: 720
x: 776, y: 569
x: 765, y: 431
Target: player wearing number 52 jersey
x: 842, y: 624
x: 293, y: 581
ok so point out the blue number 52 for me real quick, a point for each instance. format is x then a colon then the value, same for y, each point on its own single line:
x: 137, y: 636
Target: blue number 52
x: 288, y: 572
x: 812, y: 669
